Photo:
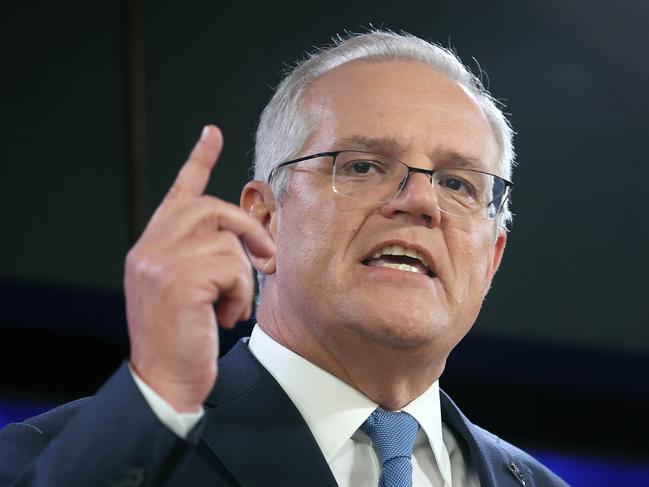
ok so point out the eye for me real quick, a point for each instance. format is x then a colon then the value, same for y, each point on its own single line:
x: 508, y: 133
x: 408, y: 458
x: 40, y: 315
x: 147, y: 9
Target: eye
x: 457, y: 185
x: 362, y: 167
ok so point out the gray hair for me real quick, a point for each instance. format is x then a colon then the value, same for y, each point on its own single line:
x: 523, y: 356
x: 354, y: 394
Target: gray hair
x: 284, y: 128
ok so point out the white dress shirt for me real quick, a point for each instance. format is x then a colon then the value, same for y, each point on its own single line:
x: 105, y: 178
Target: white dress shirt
x: 334, y: 412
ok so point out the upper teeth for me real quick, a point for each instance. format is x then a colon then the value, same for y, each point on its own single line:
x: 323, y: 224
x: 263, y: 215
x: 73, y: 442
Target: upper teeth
x: 399, y: 250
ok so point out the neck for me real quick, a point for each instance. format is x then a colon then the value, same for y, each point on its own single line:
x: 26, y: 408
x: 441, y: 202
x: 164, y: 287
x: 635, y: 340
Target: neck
x: 388, y: 374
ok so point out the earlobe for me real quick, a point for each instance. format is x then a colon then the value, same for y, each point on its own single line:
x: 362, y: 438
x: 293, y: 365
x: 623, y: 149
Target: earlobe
x: 258, y: 201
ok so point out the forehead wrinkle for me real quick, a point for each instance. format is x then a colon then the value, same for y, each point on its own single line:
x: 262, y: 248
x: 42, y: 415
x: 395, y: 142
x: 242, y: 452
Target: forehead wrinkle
x: 324, y: 99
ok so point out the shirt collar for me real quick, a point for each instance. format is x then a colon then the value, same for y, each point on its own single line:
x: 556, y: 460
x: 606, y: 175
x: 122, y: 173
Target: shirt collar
x: 332, y: 409
x: 427, y: 411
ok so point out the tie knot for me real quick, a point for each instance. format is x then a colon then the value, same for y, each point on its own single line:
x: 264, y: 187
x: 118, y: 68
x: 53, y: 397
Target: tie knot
x: 393, y: 433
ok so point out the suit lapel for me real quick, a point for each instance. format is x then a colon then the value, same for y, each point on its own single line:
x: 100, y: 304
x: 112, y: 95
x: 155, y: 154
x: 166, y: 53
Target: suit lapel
x: 256, y: 431
x: 495, y: 466
x: 261, y: 438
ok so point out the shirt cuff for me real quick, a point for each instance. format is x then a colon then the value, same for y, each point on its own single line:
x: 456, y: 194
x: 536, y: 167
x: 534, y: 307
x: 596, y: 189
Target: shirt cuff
x: 179, y: 423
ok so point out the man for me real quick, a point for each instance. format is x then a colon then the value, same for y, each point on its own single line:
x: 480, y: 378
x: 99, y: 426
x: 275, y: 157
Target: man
x: 376, y: 223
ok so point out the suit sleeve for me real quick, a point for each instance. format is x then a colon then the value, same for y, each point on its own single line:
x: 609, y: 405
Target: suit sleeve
x: 180, y: 423
x: 111, y: 439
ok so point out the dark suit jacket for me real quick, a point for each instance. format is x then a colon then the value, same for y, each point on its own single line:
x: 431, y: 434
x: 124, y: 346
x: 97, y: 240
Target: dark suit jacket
x: 251, y: 435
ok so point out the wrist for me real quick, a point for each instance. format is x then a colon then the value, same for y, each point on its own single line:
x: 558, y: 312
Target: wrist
x: 184, y: 398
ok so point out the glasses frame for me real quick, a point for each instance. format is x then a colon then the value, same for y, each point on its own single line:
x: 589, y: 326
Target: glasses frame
x: 428, y: 172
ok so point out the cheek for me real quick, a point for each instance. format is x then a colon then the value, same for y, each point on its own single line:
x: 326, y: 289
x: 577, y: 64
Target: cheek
x: 472, y: 253
x: 313, y: 232
x: 317, y: 235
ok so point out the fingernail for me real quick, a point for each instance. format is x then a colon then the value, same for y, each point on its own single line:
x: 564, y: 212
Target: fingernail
x: 206, y: 131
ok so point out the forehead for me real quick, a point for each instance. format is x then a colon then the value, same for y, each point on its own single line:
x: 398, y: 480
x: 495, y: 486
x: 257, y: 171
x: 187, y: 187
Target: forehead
x: 417, y: 109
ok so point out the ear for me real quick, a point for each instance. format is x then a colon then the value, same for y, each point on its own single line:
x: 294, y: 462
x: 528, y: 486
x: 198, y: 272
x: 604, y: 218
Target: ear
x: 498, y: 251
x: 258, y: 201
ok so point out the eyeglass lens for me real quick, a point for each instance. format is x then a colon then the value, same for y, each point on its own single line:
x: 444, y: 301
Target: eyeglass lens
x: 461, y: 192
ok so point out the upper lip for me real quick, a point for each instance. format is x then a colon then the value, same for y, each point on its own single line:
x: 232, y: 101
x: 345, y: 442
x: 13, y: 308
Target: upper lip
x: 407, y: 245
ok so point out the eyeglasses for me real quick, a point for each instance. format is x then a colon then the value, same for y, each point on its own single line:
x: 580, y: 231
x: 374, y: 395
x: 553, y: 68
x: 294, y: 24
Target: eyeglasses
x: 372, y: 177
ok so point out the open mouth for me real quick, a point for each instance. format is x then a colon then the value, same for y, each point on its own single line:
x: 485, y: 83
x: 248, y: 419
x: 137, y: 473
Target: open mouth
x: 400, y: 258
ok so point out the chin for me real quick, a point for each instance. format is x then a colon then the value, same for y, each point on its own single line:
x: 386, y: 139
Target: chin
x: 405, y: 329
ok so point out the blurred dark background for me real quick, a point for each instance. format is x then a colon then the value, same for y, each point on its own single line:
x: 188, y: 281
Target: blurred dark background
x: 101, y: 101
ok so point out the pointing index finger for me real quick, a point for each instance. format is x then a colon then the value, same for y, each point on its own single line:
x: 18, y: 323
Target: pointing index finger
x: 193, y: 177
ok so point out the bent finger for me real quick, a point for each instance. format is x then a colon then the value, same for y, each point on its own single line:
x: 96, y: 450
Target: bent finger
x: 213, y: 243
x: 210, y: 214
x: 236, y: 287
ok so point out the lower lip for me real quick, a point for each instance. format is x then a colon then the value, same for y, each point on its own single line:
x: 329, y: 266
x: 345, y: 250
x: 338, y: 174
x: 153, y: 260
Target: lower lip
x: 388, y: 272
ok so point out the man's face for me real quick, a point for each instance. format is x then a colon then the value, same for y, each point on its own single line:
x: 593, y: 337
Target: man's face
x: 324, y: 279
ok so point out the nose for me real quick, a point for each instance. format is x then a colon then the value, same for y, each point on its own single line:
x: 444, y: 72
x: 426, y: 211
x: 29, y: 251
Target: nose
x: 417, y: 201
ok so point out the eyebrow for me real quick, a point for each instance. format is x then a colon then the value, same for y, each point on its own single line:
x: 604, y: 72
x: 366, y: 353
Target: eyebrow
x: 391, y: 146
x: 372, y: 144
x: 455, y: 159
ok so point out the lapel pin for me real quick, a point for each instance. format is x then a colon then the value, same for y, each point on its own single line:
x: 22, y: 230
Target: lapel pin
x: 512, y: 468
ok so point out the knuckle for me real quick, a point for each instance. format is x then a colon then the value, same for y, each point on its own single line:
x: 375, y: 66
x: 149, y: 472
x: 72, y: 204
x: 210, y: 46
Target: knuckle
x: 211, y: 203
x: 239, y: 286
x: 245, y: 276
x: 247, y: 265
x: 134, y: 261
x: 218, y: 206
x: 131, y: 257
x: 209, y: 199
x: 144, y: 265
x: 230, y: 241
x: 236, y: 276
x: 241, y: 264
x: 168, y: 276
x: 210, y: 210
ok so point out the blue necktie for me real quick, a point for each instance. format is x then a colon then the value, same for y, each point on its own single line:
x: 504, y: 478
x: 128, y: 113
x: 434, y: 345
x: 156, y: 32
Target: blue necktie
x: 393, y: 436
